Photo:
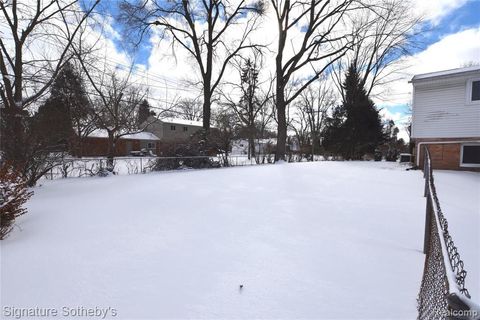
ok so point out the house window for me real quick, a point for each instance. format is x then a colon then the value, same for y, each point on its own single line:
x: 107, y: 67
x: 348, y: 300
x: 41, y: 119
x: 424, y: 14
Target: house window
x: 475, y: 90
x: 172, y: 128
x: 470, y: 155
x: 185, y: 129
x: 151, y: 145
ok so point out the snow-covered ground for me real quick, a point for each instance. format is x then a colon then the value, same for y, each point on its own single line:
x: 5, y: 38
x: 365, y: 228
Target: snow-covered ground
x: 459, y: 195
x: 306, y: 240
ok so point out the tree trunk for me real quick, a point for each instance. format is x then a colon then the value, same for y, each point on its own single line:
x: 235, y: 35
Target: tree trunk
x: 207, y: 87
x: 280, y: 93
x: 251, y: 139
x: 251, y: 146
x: 282, y: 125
x: 80, y: 147
x: 111, y: 151
x: 206, y: 111
x: 78, y: 141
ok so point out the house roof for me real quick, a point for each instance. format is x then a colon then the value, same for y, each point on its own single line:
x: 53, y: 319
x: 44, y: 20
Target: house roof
x: 446, y: 73
x: 182, y: 121
x: 102, y: 133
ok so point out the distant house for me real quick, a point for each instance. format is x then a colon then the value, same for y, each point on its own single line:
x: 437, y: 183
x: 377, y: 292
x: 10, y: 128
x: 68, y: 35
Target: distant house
x: 96, y: 144
x: 263, y: 146
x: 153, y: 140
x: 446, y: 118
x: 172, y: 130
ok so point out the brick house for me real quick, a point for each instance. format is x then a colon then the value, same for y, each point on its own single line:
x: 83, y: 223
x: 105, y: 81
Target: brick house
x: 96, y: 144
x: 446, y: 118
x: 158, y: 136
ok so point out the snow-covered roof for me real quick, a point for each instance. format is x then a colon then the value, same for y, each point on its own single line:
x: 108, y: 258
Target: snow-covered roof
x: 182, y: 121
x: 101, y: 133
x: 141, y: 136
x: 445, y: 73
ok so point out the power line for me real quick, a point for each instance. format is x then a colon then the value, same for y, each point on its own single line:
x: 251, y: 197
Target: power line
x: 174, y: 83
x: 96, y: 94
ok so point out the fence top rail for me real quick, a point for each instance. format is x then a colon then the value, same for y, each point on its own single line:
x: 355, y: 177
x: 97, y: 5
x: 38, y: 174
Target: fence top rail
x: 454, y: 265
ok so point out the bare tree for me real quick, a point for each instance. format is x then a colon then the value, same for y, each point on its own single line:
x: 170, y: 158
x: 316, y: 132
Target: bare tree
x: 471, y: 63
x: 201, y: 28
x: 226, y: 129
x: 251, y: 108
x: 299, y: 125
x: 311, y: 111
x: 114, y: 96
x: 189, y: 109
x: 318, y: 44
x: 115, y: 105
x: 114, y: 99
x: 385, y: 31
x: 26, y: 70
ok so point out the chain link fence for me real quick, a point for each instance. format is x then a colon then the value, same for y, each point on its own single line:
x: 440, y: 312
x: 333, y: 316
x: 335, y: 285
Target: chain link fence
x: 93, y: 166
x: 443, y: 294
x: 69, y: 167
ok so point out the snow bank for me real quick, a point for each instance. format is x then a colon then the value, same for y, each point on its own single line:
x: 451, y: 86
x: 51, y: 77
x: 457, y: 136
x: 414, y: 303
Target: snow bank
x: 306, y: 240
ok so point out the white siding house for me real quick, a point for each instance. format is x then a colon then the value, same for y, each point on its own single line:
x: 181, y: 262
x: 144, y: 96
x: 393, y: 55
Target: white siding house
x: 446, y: 117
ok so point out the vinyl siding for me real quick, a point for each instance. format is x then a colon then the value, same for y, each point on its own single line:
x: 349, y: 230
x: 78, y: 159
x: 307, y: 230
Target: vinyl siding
x: 178, y: 134
x: 441, y: 109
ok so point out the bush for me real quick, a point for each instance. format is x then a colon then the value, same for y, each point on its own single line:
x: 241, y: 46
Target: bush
x: 13, y: 195
x: 194, y: 162
x: 192, y: 153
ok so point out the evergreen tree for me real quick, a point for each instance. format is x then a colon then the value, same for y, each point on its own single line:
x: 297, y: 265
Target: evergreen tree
x: 64, y: 113
x: 334, y: 133
x: 392, y: 146
x: 52, y: 124
x: 355, y: 127
x: 249, y: 105
x: 144, y: 112
x: 75, y: 96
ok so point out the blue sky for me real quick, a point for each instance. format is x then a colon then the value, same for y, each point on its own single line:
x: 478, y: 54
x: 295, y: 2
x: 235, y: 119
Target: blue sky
x: 452, y: 39
x: 110, y: 9
x: 466, y: 16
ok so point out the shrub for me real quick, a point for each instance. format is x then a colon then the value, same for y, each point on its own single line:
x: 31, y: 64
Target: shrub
x: 13, y: 195
x: 194, y: 162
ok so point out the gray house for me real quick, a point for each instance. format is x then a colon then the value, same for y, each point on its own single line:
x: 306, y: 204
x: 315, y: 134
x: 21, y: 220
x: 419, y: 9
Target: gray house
x: 172, y: 130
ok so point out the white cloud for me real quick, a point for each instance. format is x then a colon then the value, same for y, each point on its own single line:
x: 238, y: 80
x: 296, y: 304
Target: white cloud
x: 181, y: 66
x: 451, y: 52
x: 435, y: 10
x: 177, y: 65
